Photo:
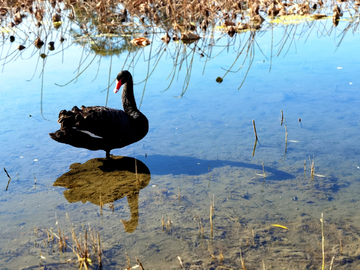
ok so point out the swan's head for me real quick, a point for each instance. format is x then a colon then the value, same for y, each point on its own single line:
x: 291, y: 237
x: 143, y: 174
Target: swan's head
x: 121, y: 78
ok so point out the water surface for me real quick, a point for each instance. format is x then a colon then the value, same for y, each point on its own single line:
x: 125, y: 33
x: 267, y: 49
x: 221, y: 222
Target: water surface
x: 199, y: 153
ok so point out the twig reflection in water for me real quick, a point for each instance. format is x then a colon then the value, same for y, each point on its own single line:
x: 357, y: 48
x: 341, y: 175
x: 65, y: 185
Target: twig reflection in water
x: 103, y: 30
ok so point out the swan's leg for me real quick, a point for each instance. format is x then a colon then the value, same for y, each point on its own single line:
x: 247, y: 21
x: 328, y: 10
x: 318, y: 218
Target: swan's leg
x: 107, y: 153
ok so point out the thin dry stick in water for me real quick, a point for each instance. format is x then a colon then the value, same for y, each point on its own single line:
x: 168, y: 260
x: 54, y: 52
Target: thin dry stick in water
x: 253, y: 154
x: 242, y: 261
x: 211, y: 223
x: 9, y: 179
x: 323, y: 241
x: 99, y: 248
x: 180, y: 261
x: 332, y: 262
x: 141, y: 267
x: 7, y: 173
x: 312, y: 163
x: 256, y: 137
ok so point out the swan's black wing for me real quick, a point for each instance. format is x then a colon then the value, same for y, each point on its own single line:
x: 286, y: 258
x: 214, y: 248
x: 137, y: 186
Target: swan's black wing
x: 100, y: 121
x: 94, y: 128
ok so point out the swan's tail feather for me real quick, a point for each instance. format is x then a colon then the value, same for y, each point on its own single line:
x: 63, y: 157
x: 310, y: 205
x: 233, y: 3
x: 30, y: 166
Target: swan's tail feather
x: 70, y: 119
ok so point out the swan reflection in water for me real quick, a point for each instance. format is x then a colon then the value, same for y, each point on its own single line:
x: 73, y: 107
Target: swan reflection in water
x: 102, y: 181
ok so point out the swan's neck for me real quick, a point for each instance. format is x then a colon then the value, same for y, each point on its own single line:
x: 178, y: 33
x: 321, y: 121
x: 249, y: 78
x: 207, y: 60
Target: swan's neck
x: 128, y: 98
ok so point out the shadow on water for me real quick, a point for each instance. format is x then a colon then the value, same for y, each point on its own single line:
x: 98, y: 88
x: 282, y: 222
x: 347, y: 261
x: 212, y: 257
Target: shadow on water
x: 101, y: 181
x: 177, y: 165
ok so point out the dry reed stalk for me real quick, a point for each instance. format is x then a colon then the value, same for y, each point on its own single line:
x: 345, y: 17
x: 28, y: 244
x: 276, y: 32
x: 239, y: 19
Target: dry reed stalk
x: 64, y: 241
x: 60, y: 240
x: 332, y: 262
x: 101, y: 205
x: 48, y: 235
x: 7, y: 173
x: 256, y: 137
x: 213, y: 205
x: 140, y: 265
x: 163, y: 223
x: 180, y: 261
x: 75, y: 239
x: 211, y: 223
x: 253, y: 235
x: 8, y: 180
x: 253, y: 153
x: 341, y: 248
x: 99, y: 248
x: 242, y: 261
x: 322, y: 241
x: 85, y: 253
x: 210, y: 250
x: 52, y: 234
x: 282, y: 117
x: 127, y: 260
x: 312, y: 168
x: 93, y: 240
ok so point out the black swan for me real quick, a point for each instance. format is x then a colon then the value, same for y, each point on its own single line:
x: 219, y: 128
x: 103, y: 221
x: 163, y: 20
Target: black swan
x: 102, y: 128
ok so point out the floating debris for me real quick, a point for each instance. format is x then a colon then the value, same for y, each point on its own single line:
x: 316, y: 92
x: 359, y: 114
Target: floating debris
x: 280, y: 226
x: 51, y: 45
x: 166, y: 38
x: 318, y: 16
x: 189, y: 37
x: 219, y: 80
x: 141, y: 41
x: 56, y: 17
x: 38, y: 43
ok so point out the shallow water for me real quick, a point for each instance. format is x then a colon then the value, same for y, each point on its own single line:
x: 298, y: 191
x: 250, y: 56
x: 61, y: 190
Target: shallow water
x: 200, y: 154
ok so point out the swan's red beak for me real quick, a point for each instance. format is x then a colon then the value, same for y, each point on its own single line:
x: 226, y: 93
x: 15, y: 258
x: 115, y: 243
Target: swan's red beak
x: 117, y: 87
